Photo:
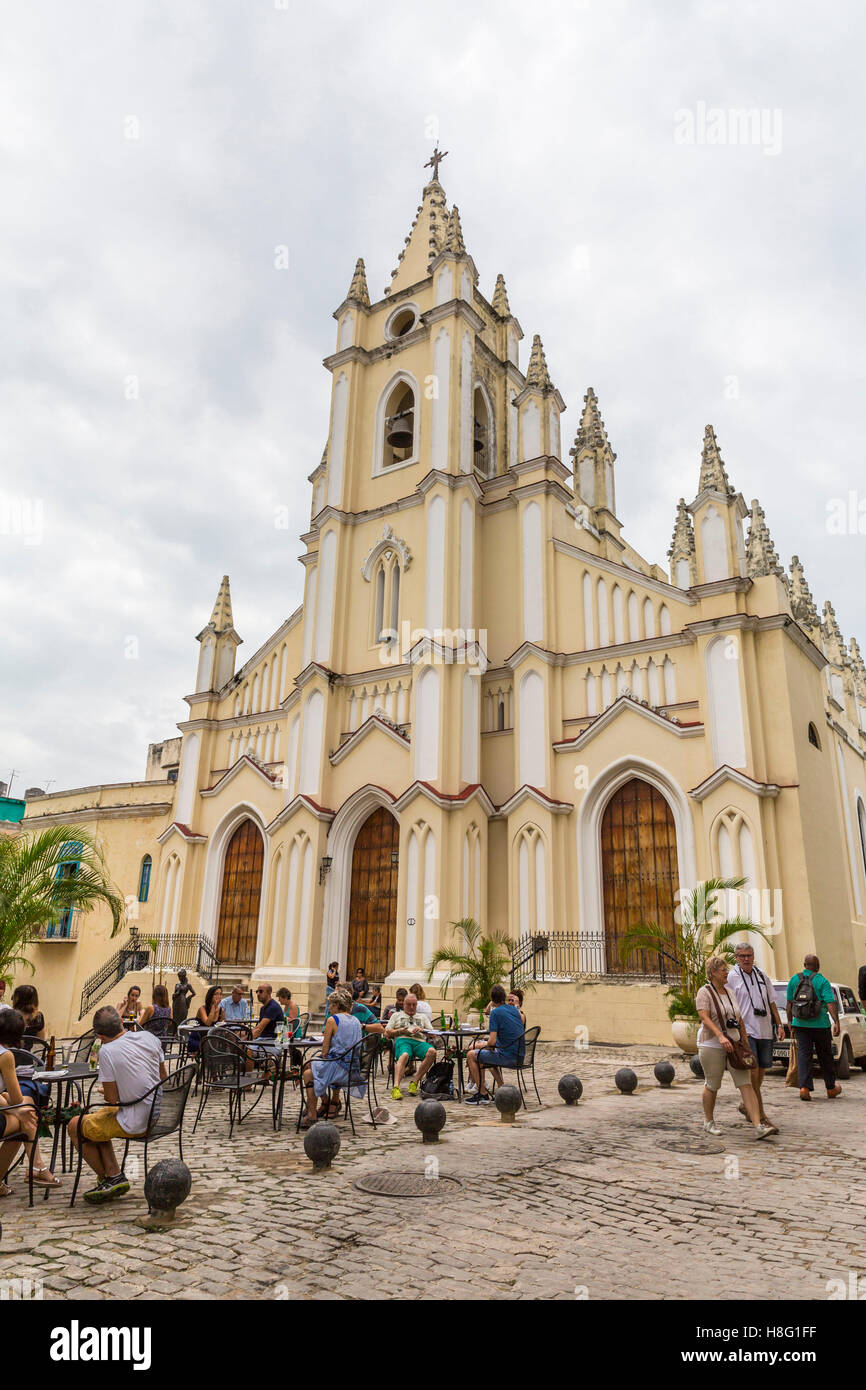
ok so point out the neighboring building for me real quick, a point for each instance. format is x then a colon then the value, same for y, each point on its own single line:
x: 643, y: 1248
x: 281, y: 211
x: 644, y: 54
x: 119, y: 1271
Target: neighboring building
x: 489, y: 704
x: 11, y: 811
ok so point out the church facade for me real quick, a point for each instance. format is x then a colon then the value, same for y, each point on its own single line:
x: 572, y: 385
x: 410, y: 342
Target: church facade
x: 489, y: 704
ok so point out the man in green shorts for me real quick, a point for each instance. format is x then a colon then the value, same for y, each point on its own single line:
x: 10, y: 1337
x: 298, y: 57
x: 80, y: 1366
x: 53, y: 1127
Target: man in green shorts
x: 408, y: 1030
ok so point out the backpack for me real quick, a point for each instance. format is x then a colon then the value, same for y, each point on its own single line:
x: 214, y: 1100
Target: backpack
x: 439, y: 1080
x: 806, y: 1004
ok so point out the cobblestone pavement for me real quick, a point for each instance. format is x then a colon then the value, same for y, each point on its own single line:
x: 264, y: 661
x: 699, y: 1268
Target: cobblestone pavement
x: 619, y: 1197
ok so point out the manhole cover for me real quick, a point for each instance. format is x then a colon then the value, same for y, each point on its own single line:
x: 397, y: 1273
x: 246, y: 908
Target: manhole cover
x: 694, y: 1144
x: 407, y: 1185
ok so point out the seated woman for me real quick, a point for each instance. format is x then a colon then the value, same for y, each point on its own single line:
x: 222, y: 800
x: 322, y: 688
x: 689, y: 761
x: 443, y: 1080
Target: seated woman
x: 374, y: 1003
x: 291, y: 1012
x: 129, y: 1007
x: 342, y: 1033
x: 159, y: 1011
x: 17, y: 1126
x: 423, y: 1006
x: 26, y: 1001
x: 208, y: 1014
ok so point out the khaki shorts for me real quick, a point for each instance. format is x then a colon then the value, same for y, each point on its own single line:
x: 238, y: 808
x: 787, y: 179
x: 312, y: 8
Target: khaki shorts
x: 101, y: 1125
x: 715, y: 1062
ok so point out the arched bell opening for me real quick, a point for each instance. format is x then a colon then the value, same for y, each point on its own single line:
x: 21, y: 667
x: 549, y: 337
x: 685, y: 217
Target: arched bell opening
x: 399, y: 425
x: 482, y: 434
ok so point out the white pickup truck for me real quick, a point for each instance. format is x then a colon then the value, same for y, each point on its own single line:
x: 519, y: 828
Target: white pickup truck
x: 850, y: 1046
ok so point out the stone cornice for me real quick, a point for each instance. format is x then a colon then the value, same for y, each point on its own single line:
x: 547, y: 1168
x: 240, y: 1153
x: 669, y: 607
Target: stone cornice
x: 301, y: 802
x: 595, y: 654
x: 731, y: 774
x: 735, y: 584
x: 527, y: 793
x: 454, y: 308
x: 545, y: 461
x: 82, y: 813
x: 626, y: 572
x: 620, y: 705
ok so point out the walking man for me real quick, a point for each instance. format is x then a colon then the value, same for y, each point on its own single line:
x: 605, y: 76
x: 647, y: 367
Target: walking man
x: 754, y: 994
x: 811, y: 1005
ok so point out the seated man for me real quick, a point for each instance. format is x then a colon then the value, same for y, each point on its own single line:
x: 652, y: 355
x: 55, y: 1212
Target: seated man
x: 367, y: 1019
x: 394, y: 1008
x: 409, y: 1030
x: 236, y: 1009
x: 502, y: 1047
x: 130, y: 1065
x: 270, y: 1013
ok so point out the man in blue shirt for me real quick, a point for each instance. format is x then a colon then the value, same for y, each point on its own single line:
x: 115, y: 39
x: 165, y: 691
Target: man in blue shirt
x: 809, y: 1013
x: 503, y: 1048
x: 270, y: 1013
x: 236, y: 1009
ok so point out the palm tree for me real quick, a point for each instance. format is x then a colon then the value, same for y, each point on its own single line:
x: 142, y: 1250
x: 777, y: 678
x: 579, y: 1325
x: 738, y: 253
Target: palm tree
x: 35, y: 891
x: 700, y: 932
x: 479, y: 961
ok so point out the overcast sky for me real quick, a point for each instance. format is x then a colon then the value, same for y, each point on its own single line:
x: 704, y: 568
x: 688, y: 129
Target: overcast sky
x: 162, y: 389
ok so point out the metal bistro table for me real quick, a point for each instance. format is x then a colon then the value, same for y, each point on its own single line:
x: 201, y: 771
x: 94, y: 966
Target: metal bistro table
x: 470, y: 1035
x: 281, y: 1051
x: 73, y: 1074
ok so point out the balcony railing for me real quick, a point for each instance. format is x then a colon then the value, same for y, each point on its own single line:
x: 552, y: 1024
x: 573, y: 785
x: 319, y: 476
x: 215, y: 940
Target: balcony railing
x: 160, y: 953
x: 66, y: 929
x: 587, y: 955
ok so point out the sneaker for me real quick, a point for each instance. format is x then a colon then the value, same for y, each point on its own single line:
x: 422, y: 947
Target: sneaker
x: 768, y: 1124
x: 396, y: 1093
x: 100, y: 1193
x: 836, y: 1091
x: 484, y: 1100
x: 470, y: 1088
x: 413, y: 1088
x: 118, y: 1186
x: 764, y: 1131
x: 710, y: 1127
x: 476, y: 1099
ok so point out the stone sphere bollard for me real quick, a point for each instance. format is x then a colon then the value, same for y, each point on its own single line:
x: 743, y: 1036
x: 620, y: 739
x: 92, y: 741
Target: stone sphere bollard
x: 430, y: 1117
x: 167, y: 1184
x: 697, y: 1069
x: 626, y: 1080
x: 664, y: 1073
x: 507, y: 1101
x: 570, y: 1087
x: 322, y: 1144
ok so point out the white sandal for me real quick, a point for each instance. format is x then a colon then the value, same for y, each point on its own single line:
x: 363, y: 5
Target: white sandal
x: 45, y: 1182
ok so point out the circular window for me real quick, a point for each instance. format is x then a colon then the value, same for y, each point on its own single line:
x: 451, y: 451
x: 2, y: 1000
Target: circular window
x: 401, y: 322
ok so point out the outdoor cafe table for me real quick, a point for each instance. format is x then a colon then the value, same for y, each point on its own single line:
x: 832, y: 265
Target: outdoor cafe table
x: 72, y: 1074
x: 459, y: 1034
x: 280, y: 1051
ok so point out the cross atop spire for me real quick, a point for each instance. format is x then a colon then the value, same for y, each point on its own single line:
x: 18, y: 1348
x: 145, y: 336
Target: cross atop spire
x: 434, y: 161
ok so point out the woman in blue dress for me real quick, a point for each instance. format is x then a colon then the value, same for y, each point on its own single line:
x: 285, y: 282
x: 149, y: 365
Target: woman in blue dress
x: 331, y: 1070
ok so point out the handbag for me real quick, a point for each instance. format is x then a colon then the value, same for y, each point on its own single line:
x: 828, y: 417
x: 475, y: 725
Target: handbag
x: 741, y: 1055
x: 792, y: 1076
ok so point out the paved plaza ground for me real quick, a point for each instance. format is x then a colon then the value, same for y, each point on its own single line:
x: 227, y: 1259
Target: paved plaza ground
x: 621, y: 1197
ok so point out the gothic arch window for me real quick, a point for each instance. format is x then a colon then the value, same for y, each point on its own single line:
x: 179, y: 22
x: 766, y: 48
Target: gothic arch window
x: 530, y: 867
x: 385, y: 598
x: 396, y: 432
x: 482, y: 433
x: 813, y: 737
x: 639, y: 871
x: 144, y: 878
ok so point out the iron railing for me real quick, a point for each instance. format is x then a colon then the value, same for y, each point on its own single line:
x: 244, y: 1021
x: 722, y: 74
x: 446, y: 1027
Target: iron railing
x: 587, y: 955
x: 157, y: 953
x: 64, y: 929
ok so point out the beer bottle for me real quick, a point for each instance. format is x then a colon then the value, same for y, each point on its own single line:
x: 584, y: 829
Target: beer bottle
x: 49, y: 1056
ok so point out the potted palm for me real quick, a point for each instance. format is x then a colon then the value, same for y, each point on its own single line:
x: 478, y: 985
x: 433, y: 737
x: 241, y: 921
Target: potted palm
x: 36, y: 887
x: 701, y: 930
x: 479, y: 962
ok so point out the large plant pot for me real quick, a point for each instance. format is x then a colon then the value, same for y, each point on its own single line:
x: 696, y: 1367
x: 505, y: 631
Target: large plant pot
x: 685, y: 1031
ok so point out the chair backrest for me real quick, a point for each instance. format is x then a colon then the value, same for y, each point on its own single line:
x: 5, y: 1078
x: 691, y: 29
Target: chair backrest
x: 526, y: 1047
x: 221, y: 1056
x: 369, y: 1051
x: 160, y: 1027
x: 173, y: 1093
x: 22, y: 1058
x: 303, y: 1025
x: 80, y: 1048
x: 36, y: 1045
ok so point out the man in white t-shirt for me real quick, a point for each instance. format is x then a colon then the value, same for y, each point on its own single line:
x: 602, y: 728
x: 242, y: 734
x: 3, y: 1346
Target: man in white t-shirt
x: 130, y: 1066
x: 753, y: 992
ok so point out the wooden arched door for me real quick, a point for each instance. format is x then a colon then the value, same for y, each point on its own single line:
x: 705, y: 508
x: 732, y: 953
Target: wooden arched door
x: 372, y: 936
x: 241, y: 896
x: 639, y: 871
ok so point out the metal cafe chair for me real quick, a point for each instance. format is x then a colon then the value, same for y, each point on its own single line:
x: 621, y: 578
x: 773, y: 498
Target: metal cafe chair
x: 167, y: 1106
x: 360, y: 1070
x: 223, y: 1067
x: 24, y: 1058
x: 526, y: 1045
x: 38, y: 1046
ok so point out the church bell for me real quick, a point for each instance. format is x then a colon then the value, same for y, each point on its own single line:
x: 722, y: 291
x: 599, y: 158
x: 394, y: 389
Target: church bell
x: 400, y: 433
